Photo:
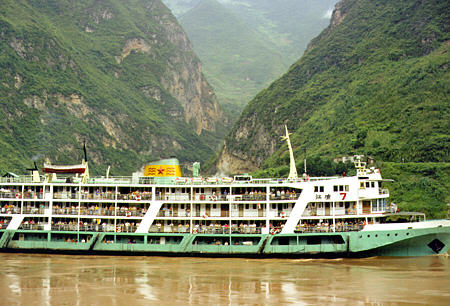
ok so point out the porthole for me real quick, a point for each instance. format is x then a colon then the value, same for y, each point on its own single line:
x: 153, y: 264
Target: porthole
x: 396, y: 234
x: 368, y: 236
x: 407, y: 234
x: 376, y: 235
x: 388, y: 235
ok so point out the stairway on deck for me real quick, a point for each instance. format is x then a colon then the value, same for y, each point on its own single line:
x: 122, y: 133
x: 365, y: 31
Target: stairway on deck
x: 305, y: 197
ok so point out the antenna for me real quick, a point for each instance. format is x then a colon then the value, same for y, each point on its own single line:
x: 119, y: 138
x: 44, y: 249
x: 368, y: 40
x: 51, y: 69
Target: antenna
x: 293, y: 170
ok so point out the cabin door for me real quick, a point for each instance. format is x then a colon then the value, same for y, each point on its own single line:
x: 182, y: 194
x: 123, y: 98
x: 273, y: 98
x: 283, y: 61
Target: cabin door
x: 175, y: 210
x: 366, y: 207
x: 327, y: 209
x: 241, y: 210
x: 261, y: 208
x: 196, y: 210
x: 224, y: 210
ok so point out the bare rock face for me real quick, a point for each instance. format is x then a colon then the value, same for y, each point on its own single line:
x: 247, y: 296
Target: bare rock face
x: 124, y: 78
x: 230, y: 163
x: 338, y: 15
x: 135, y: 44
x: 258, y: 145
x: 188, y: 85
x: 183, y: 77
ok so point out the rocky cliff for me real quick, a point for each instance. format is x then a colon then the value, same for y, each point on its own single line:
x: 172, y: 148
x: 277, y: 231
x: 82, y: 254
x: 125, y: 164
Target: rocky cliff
x: 120, y: 74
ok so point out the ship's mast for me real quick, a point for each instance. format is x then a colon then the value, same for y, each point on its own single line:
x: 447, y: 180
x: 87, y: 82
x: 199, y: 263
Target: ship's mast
x: 293, y: 170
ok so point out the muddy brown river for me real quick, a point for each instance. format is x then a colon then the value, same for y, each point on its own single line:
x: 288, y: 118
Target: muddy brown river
x: 106, y: 280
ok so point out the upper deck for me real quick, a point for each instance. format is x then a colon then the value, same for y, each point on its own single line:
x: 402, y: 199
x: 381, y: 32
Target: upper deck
x: 187, y: 181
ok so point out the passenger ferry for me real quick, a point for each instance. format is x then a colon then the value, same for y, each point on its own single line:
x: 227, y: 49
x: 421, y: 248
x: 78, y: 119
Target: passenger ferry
x: 159, y: 212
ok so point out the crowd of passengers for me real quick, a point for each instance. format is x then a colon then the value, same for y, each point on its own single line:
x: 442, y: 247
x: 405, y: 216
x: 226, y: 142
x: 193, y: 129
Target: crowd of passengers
x: 10, y: 193
x: 284, y: 194
x: 325, y: 227
x: 32, y: 225
x: 126, y: 227
x: 99, y: 211
x: 107, y: 195
x: 275, y: 194
x: 212, y: 228
x: 34, y: 209
x: 4, y: 223
x: 10, y: 209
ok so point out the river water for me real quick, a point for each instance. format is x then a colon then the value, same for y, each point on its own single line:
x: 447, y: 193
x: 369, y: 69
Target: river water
x: 125, y: 280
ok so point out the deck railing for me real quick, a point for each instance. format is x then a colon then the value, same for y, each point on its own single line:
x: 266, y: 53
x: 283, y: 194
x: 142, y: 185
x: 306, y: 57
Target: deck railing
x: 25, y: 179
x: 329, y: 228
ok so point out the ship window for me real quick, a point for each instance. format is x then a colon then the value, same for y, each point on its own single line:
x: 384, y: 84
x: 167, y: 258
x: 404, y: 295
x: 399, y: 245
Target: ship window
x: 335, y: 188
x: 361, y: 185
x: 182, y: 206
x: 321, y: 188
x: 372, y: 184
x: 367, y: 185
x: 214, y: 206
x: 173, y: 190
x: 341, y: 204
x: 274, y: 206
x: 313, y: 240
x: 316, y: 188
x: 341, y: 187
x: 247, y: 206
x: 202, y: 190
x: 346, y: 188
x: 254, y: 206
x: 183, y: 190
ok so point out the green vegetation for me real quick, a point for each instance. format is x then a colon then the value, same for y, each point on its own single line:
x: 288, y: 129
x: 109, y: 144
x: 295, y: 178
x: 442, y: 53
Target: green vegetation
x: 375, y: 83
x: 66, y: 77
x: 419, y: 187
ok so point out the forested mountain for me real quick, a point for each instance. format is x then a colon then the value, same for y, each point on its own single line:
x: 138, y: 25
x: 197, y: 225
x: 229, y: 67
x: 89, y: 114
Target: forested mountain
x: 376, y: 82
x: 245, y: 45
x: 121, y: 75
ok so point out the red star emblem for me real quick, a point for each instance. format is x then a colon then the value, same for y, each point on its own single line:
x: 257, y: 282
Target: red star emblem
x: 160, y: 170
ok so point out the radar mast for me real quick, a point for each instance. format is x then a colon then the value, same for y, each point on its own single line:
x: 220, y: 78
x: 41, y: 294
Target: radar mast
x: 293, y: 170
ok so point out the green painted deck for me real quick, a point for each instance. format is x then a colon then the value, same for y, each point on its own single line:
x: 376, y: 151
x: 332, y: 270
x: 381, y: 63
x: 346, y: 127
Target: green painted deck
x: 408, y: 242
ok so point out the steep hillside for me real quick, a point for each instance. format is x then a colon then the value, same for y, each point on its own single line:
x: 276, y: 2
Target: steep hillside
x: 120, y: 74
x: 231, y: 51
x: 375, y: 82
x: 245, y: 45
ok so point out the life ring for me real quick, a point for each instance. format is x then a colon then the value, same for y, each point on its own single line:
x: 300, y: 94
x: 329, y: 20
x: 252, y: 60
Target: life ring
x: 195, y: 231
x: 214, y: 197
x: 118, y: 229
x: 128, y: 213
x: 138, y: 197
x: 17, y: 195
